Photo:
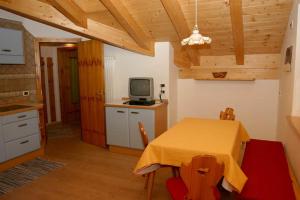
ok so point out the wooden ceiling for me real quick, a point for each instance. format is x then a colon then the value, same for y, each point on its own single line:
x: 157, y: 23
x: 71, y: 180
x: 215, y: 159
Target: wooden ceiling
x: 237, y: 27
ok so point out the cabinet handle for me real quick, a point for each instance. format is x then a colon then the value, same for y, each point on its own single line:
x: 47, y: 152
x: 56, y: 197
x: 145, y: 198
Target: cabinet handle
x: 22, y: 116
x: 24, y: 142
x: 120, y: 111
x: 22, y: 125
x: 6, y: 50
x: 135, y: 113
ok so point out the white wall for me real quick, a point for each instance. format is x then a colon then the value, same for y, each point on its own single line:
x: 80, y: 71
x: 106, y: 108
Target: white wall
x: 52, y: 52
x: 173, y: 89
x: 289, y: 93
x: 255, y: 102
x: 296, y: 20
x: 129, y: 64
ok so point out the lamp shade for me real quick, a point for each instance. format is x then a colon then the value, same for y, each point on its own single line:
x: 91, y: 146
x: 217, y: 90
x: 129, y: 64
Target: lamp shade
x: 196, y: 38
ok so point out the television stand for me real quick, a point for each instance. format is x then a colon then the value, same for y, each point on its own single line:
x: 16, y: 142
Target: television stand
x: 142, y: 102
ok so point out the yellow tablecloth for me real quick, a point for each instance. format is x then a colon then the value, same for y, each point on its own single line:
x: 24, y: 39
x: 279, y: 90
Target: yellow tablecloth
x: 191, y: 137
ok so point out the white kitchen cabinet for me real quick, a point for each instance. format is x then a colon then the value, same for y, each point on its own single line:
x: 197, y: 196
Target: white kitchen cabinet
x: 117, y: 126
x: 2, y: 146
x: 7, y: 119
x: 147, y: 118
x: 20, y: 129
x: 21, y: 146
x: 122, y: 124
x: 11, y: 46
x: 19, y: 134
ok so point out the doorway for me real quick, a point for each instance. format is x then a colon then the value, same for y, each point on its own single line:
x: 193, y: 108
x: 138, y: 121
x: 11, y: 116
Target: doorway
x: 69, y: 84
x: 64, y: 69
x: 60, y: 86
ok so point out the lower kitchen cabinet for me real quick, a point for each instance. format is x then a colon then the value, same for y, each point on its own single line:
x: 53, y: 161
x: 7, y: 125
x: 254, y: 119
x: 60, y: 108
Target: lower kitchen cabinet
x: 2, y: 148
x: 147, y: 118
x: 19, y: 134
x: 117, y: 128
x: 122, y: 123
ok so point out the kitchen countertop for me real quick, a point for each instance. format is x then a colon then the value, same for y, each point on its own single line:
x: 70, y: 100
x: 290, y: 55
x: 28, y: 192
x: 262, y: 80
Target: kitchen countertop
x: 31, y: 106
x: 120, y: 104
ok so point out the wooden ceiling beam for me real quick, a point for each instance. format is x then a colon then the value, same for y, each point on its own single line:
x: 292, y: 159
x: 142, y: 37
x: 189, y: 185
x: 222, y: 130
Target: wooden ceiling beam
x: 71, y: 10
x: 181, y: 59
x: 177, y: 18
x: 237, y: 30
x: 122, y: 15
x: 46, y: 14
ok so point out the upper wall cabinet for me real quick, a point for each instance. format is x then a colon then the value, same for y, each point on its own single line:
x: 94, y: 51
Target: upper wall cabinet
x: 11, y: 46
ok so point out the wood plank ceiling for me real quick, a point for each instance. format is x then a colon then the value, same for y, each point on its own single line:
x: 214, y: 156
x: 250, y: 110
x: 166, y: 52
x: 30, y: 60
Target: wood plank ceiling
x: 237, y: 27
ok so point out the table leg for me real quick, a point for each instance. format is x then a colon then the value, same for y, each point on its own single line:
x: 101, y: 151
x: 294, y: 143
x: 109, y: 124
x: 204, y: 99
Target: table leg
x: 146, y: 181
x: 150, y: 185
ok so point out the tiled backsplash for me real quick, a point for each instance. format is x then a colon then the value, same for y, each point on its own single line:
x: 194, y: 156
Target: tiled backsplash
x: 16, y: 78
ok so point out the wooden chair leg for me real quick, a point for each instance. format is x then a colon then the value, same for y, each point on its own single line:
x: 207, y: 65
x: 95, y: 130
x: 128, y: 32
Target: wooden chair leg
x: 146, y: 181
x: 175, y: 171
x: 150, y: 185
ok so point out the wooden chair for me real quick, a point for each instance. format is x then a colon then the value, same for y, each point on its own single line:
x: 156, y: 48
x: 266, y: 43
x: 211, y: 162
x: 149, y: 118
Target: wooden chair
x: 198, y: 180
x: 227, y: 114
x: 143, y: 134
x: 145, y: 140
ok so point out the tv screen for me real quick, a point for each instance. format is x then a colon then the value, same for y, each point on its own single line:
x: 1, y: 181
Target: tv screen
x: 140, y: 87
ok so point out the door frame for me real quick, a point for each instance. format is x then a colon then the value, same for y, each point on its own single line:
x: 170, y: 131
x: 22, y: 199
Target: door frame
x: 37, y: 42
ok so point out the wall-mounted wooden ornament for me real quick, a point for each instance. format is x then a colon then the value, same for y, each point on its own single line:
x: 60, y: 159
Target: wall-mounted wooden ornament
x: 219, y: 74
x: 288, y: 59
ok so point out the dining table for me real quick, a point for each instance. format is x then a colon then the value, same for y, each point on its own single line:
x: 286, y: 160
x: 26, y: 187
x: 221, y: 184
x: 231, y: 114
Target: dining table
x: 192, y: 137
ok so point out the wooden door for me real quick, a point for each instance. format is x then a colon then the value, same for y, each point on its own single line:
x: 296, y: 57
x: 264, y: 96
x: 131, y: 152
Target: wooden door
x: 91, y: 80
x: 69, y: 84
x: 51, y: 89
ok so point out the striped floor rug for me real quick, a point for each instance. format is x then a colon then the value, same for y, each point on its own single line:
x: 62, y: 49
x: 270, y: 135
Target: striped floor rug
x: 25, y: 173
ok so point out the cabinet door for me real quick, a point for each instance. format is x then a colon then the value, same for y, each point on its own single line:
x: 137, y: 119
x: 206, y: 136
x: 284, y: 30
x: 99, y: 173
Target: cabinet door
x: 147, y: 118
x: 20, y: 129
x: 11, y: 42
x: 117, y: 131
x: 21, y: 146
x: 2, y: 147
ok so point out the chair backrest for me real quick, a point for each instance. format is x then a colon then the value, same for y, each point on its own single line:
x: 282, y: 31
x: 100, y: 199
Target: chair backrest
x: 143, y: 134
x: 227, y: 114
x: 201, y: 176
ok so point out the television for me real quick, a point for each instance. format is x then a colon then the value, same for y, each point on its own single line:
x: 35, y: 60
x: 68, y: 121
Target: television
x: 140, y: 89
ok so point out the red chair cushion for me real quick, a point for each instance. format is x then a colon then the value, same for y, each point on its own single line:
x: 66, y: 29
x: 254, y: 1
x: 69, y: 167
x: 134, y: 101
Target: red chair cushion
x: 267, y: 170
x: 176, y: 188
x: 216, y: 192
